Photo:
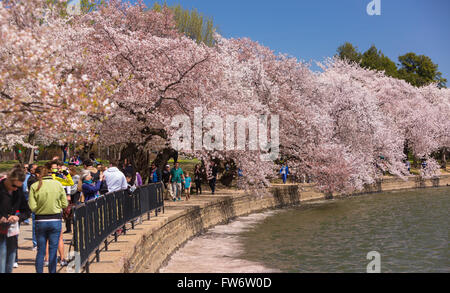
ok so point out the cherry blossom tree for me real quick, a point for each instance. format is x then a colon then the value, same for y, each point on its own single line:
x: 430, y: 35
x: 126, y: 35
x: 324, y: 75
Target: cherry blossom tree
x: 44, y: 90
x: 123, y: 74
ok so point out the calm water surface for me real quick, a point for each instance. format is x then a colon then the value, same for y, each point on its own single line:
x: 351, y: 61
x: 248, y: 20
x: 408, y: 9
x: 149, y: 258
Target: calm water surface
x: 408, y: 228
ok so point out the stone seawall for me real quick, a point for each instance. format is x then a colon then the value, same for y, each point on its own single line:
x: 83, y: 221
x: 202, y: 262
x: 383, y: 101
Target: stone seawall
x: 309, y: 192
x: 155, y: 249
x: 146, y: 248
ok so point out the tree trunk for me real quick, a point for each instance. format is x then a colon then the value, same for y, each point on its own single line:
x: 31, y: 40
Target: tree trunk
x: 87, y: 148
x: 444, y: 158
x: 139, y: 157
x: 228, y: 175
x: 164, y: 156
x: 29, y: 153
x: 415, y: 162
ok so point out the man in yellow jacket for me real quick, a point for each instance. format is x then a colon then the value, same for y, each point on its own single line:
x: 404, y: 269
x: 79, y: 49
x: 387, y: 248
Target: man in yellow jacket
x: 60, y: 170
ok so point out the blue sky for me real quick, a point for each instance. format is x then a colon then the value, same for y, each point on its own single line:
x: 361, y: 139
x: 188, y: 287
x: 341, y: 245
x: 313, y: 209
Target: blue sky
x: 313, y: 29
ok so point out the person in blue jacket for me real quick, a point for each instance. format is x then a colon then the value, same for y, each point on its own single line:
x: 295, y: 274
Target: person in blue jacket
x: 284, y: 171
x: 91, y: 189
x: 155, y: 176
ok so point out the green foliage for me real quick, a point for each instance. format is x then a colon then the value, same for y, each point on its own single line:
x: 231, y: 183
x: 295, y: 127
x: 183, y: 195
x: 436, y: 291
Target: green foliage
x: 376, y: 60
x: 6, y: 166
x: 349, y: 52
x: 191, y: 23
x: 418, y: 70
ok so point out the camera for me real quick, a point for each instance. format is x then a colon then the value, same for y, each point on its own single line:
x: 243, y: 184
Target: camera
x: 65, y: 172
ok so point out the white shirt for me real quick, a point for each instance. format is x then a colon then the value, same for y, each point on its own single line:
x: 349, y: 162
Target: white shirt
x: 115, y: 180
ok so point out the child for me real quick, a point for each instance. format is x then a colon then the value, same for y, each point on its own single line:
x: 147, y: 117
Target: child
x: 131, y: 185
x: 187, y: 186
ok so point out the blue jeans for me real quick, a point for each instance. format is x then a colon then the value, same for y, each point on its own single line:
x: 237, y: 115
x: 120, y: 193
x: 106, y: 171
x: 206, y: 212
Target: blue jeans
x: 176, y: 189
x: 212, y: 185
x: 33, y: 217
x: 47, y: 231
x: 8, y: 247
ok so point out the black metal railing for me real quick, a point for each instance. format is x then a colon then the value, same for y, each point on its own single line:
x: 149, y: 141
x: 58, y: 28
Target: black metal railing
x: 94, y: 221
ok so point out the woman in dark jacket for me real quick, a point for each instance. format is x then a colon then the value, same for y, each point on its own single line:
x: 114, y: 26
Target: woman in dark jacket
x: 198, y: 175
x: 12, y: 200
x: 90, y: 189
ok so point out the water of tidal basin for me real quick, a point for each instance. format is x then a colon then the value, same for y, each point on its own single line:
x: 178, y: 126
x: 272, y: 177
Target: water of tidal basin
x: 408, y: 228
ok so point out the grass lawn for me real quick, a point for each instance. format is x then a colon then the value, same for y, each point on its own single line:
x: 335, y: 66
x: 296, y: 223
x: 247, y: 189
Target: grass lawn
x: 186, y: 165
x: 8, y: 165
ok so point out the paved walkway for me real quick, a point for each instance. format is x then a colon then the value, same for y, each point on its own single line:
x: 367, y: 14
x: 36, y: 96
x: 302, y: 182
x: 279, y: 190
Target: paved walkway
x: 110, y: 261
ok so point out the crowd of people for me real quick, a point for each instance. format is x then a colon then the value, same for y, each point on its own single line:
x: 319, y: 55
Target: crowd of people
x: 48, y: 194
x: 178, y: 182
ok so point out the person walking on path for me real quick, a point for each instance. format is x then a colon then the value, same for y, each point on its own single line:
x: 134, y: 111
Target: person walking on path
x: 198, y: 178
x: 166, y: 182
x: 31, y: 180
x: 62, y: 175
x: 284, y: 171
x: 47, y: 200
x: 240, y: 179
x: 176, y: 178
x: 155, y: 174
x: 13, y: 209
x: 115, y: 179
x: 408, y: 166
x: 213, y: 170
x: 187, y: 186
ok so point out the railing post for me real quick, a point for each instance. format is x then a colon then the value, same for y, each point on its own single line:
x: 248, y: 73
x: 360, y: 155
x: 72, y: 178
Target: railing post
x: 96, y: 220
